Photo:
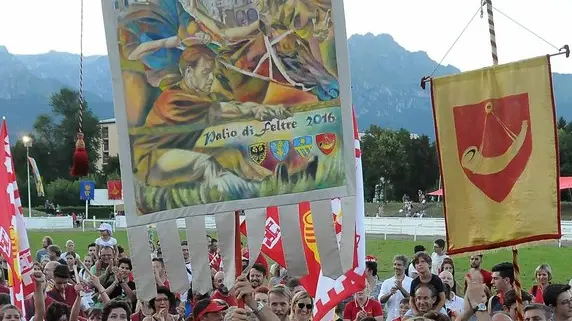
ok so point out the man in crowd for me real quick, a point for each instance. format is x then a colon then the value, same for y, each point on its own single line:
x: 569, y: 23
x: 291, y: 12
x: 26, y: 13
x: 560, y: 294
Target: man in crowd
x: 257, y: 275
x: 438, y: 255
x: 559, y: 298
x: 42, y: 253
x: 536, y: 312
x: 503, y: 279
x: 476, y: 262
x: 221, y: 292
x: 105, y: 260
x: 187, y: 258
x: 425, y: 299
x: 279, y: 301
x: 54, y: 253
x: 396, y: 288
x: 214, y: 257
x: 62, y: 291
x: 509, y: 302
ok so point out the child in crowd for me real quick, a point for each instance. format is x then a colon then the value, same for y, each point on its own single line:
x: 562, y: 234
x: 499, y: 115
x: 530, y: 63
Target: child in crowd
x: 403, y: 308
x: 106, y: 239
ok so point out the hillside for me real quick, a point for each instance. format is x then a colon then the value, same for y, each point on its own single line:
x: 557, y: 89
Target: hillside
x: 385, y: 84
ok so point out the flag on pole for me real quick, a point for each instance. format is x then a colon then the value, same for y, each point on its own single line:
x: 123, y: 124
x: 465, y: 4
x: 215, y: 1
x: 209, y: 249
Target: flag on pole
x: 14, y: 246
x: 37, y: 177
x: 114, y: 190
x: 498, y: 149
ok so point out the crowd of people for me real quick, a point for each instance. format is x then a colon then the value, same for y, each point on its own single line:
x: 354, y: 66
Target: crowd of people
x: 99, y: 287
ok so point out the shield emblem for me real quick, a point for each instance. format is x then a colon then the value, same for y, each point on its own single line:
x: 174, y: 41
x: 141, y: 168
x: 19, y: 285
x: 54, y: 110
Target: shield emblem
x: 326, y: 142
x: 257, y: 152
x: 303, y: 145
x: 280, y: 149
x: 494, y: 143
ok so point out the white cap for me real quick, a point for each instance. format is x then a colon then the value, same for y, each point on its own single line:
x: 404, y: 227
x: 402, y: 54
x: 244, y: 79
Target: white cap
x: 105, y: 227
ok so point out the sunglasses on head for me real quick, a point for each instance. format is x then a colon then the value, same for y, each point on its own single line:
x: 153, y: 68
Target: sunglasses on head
x: 308, y: 306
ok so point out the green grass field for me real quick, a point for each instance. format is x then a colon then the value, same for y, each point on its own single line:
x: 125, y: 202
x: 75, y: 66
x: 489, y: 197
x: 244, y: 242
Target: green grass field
x: 530, y: 257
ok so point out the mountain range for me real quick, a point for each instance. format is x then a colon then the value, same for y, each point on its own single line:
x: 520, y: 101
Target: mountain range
x: 385, y: 85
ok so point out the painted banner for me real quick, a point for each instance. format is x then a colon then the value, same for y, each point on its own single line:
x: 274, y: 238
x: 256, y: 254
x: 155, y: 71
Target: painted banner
x: 227, y: 106
x: 114, y: 190
x: 232, y: 105
x: 14, y: 246
x: 37, y: 177
x: 496, y: 132
x: 87, y: 190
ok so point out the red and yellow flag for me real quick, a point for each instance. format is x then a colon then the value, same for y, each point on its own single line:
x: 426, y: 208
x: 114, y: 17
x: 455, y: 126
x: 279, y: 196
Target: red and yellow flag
x: 114, y: 190
x: 498, y: 152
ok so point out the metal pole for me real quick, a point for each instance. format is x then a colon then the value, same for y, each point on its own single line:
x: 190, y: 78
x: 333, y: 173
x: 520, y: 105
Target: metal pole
x: 28, y: 171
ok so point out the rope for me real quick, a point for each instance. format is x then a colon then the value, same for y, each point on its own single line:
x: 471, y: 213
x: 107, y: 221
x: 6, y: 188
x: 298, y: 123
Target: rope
x: 492, y: 34
x: 454, y: 43
x: 525, y: 28
x: 517, y: 285
x: 80, y: 128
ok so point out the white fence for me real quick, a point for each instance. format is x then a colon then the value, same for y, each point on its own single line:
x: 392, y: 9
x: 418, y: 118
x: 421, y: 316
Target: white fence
x: 373, y: 225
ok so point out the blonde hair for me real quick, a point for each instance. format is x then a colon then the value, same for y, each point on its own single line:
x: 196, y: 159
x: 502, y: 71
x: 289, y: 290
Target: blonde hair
x: 298, y: 297
x: 543, y: 267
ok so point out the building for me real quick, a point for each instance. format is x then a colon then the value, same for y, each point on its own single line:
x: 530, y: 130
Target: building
x: 109, y: 141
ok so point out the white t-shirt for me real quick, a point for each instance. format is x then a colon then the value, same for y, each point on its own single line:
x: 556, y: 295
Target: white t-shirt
x: 112, y: 242
x: 456, y: 304
x: 436, y: 261
x: 392, y: 305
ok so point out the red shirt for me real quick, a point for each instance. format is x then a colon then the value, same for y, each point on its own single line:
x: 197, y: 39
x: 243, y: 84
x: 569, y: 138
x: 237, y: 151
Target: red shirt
x: 215, y: 261
x: 4, y: 289
x: 487, y: 278
x: 69, y: 295
x: 29, y: 305
x: 372, y: 308
x: 229, y: 299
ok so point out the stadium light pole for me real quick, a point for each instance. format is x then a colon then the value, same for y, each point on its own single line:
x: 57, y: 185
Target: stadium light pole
x: 27, y: 140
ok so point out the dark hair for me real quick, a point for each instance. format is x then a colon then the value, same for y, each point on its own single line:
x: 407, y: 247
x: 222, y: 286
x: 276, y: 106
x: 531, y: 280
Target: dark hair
x: 419, y: 248
x: 114, y: 304
x: 213, y: 240
x: 62, y: 271
x: 404, y: 301
x: 184, y: 243
x: 422, y: 255
x: 49, y: 240
x: 551, y: 293
x: 54, y: 248
x: 120, y: 249
x: 292, y: 283
x: 505, y: 269
x: 170, y: 296
x: 258, y: 267
x: 72, y: 253
x: 509, y: 297
x: 125, y: 260
x: 440, y: 243
x: 436, y: 316
x: 91, y: 245
x: 158, y: 259
x: 5, y: 299
x: 56, y: 310
x: 370, y: 265
x: 541, y: 307
x: 451, y: 263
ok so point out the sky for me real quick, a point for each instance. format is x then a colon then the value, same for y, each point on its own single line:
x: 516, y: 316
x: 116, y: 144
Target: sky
x: 430, y: 26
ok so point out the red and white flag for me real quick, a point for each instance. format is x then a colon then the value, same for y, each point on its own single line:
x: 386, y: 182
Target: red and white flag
x: 327, y: 292
x: 331, y: 292
x: 14, y: 244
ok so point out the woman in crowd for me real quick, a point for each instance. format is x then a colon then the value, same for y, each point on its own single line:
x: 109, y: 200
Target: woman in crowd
x: 10, y: 313
x: 542, y: 276
x: 116, y: 310
x: 449, y: 266
x: 302, y: 306
x: 163, y: 305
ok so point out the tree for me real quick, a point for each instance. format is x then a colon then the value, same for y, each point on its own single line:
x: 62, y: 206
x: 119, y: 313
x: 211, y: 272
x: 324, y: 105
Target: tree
x: 111, y: 167
x: 408, y: 161
x: 57, y: 139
